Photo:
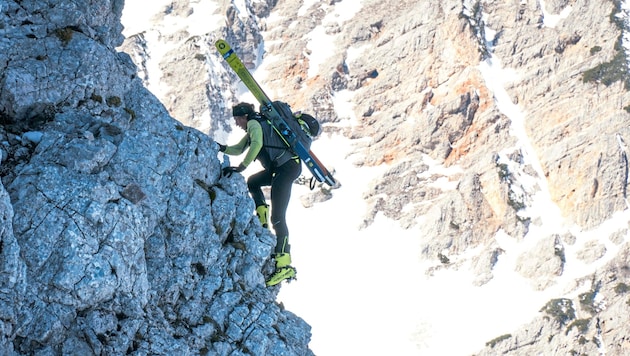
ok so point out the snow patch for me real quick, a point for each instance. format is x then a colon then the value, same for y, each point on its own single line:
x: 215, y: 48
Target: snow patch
x: 354, y: 53
x: 344, y: 107
x: 625, y: 15
x: 542, y: 205
x: 551, y: 20
x: 204, y: 18
x: 137, y: 15
x: 241, y: 8
x: 306, y: 5
x: 320, y: 40
x: 205, y: 120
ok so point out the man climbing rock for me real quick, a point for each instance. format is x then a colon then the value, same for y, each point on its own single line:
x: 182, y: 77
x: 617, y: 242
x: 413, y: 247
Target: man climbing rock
x: 281, y: 168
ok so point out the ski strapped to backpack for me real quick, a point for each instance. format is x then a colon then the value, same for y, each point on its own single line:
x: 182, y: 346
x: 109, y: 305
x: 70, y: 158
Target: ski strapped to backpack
x: 281, y: 117
x: 305, y: 126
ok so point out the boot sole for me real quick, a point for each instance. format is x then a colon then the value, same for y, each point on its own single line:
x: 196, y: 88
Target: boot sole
x: 286, y: 273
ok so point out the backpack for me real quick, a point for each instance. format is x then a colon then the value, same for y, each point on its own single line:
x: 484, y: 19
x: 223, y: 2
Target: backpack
x: 304, y: 126
x: 275, y: 152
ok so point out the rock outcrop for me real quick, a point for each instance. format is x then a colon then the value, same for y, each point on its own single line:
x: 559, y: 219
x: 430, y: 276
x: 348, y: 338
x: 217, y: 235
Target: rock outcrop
x: 189, y: 77
x: 118, y: 233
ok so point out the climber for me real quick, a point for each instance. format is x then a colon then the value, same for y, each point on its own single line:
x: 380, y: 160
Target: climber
x: 281, y: 168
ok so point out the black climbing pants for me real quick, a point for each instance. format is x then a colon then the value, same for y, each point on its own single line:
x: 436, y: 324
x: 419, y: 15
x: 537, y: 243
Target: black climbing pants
x: 281, y: 180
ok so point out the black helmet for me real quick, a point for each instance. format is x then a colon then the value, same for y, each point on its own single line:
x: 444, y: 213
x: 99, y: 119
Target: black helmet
x: 310, y: 121
x: 242, y: 109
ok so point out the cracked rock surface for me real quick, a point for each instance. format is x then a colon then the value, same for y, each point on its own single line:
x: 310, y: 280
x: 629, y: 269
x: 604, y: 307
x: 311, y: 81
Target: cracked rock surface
x: 118, y: 233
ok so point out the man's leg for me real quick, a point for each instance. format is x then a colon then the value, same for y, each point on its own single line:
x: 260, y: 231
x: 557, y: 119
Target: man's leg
x: 281, y: 185
x: 254, y: 185
x: 280, y: 194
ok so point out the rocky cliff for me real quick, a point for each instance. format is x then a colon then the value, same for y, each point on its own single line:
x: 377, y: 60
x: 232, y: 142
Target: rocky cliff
x: 523, y: 104
x: 119, y: 236
x: 118, y: 233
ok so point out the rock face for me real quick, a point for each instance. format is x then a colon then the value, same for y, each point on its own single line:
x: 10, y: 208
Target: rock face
x: 494, y: 119
x: 594, y: 323
x: 118, y: 233
x: 189, y: 77
x: 523, y: 107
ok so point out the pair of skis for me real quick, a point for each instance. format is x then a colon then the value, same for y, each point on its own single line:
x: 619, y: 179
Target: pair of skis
x: 267, y: 108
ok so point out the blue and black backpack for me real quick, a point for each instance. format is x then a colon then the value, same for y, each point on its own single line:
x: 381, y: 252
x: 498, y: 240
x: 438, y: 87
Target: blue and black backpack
x: 305, y: 127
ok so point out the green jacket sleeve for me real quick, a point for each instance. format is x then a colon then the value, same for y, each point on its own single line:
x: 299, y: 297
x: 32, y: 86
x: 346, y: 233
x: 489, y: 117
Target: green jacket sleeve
x: 253, y: 140
x: 254, y: 130
x: 238, y: 148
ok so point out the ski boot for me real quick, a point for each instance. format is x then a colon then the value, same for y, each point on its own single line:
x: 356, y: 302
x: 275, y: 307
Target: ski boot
x: 284, y: 270
x: 262, y: 211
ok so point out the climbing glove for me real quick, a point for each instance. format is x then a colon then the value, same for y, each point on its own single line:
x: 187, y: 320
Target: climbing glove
x: 227, y: 171
x: 221, y: 147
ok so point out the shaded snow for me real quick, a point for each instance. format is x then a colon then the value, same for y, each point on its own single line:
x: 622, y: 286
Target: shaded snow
x: 552, y: 20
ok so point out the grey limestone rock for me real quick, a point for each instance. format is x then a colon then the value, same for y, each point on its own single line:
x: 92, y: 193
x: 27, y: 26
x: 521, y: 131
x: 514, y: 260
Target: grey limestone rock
x: 110, y: 243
